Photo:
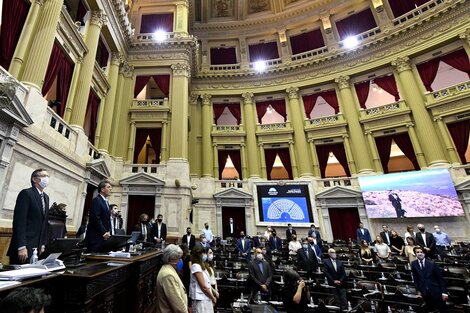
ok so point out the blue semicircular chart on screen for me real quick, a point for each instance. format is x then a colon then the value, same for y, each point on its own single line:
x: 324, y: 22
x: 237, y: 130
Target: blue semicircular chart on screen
x: 285, y: 210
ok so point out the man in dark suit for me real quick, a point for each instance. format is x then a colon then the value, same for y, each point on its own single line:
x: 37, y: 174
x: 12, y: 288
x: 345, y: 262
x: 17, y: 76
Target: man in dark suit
x: 426, y: 240
x: 363, y: 234
x: 99, y: 219
x: 116, y: 220
x: 145, y: 229
x: 244, y: 246
x: 289, y: 232
x: 313, y: 230
x: 306, y: 259
x: 159, y: 230
x: 232, y: 229
x: 30, y: 219
x: 429, y: 282
x: 336, y: 276
x: 261, y: 274
x: 386, y: 234
x: 275, y: 243
x: 189, y: 239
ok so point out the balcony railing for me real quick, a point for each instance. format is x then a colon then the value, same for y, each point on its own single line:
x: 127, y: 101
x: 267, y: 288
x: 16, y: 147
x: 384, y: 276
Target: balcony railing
x: 384, y: 110
x: 330, y: 120
x: 337, y: 181
x: 156, y: 169
x: 268, y: 62
x: 227, y: 128
x: 149, y: 103
x: 60, y: 126
x: 273, y: 127
x: 309, y: 54
x: 151, y: 37
x: 456, y: 90
x: 93, y: 152
x: 428, y: 6
x: 365, y: 35
x: 230, y: 183
x: 225, y: 67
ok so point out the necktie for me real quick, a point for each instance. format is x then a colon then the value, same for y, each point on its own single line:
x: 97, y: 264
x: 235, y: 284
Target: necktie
x: 260, y: 264
x: 421, y: 264
x: 43, y: 203
x: 334, y: 265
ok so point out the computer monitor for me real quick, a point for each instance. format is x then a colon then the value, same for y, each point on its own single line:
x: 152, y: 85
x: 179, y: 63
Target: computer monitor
x: 134, y: 236
x: 114, y: 243
x: 66, y: 246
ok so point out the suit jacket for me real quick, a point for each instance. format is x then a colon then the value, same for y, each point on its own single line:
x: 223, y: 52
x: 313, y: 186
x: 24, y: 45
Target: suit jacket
x: 235, y: 232
x: 366, y: 236
x: 99, y: 222
x: 290, y: 233
x: 430, y: 240
x: 384, y: 237
x: 264, y: 278
x: 192, y: 241
x: 307, y: 260
x: 247, y: 247
x: 162, y: 231
x: 205, y: 246
x: 319, y: 240
x: 29, y: 223
x: 150, y: 234
x: 275, y: 243
x: 331, y: 274
x: 171, y: 294
x: 428, y: 281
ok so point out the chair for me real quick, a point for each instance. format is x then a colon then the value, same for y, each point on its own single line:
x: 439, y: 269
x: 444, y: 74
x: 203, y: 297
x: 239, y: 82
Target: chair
x: 389, y: 266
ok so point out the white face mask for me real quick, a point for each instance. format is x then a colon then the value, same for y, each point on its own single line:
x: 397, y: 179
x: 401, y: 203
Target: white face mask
x: 44, y: 182
x: 259, y: 256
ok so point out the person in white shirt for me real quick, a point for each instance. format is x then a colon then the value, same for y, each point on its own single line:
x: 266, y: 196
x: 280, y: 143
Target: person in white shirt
x: 294, y: 245
x: 200, y: 290
x: 208, y: 233
x: 382, y: 250
x: 409, y: 233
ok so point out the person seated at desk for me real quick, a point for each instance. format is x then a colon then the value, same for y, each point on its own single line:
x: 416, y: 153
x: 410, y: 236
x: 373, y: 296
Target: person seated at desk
x: 366, y: 253
x: 306, y: 259
x: 261, y: 275
x: 295, y: 294
x: 244, y: 247
x: 145, y: 229
x: 25, y: 299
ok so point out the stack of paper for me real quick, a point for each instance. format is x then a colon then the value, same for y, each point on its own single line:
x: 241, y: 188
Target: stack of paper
x: 23, y: 273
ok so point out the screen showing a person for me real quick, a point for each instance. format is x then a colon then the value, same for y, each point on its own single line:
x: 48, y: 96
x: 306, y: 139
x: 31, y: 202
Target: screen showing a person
x: 411, y: 194
x: 286, y: 204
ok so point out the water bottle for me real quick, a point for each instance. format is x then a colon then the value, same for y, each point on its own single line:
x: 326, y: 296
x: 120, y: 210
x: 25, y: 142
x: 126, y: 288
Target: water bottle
x: 241, y: 296
x: 389, y: 310
x: 354, y: 284
x: 372, y: 306
x: 326, y: 281
x: 385, y: 289
x: 468, y: 300
x: 349, y: 306
x: 383, y: 275
x: 258, y: 297
x: 163, y: 244
x: 34, y: 258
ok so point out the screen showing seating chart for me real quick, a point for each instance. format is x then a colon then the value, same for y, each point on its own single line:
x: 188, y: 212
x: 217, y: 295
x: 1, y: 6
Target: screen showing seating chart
x: 284, y: 204
x: 425, y: 193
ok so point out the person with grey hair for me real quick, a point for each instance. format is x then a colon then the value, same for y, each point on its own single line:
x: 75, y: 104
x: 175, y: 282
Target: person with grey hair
x: 171, y: 293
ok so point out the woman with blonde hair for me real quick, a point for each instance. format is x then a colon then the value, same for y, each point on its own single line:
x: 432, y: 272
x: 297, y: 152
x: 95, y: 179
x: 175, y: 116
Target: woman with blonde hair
x: 366, y: 253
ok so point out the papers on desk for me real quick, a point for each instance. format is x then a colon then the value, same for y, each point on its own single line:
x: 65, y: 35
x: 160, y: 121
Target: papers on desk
x: 120, y: 254
x: 23, y: 273
x: 6, y: 284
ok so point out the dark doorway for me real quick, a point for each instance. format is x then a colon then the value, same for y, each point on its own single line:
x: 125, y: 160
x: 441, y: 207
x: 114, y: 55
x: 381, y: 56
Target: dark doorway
x: 344, y: 222
x: 138, y: 205
x: 238, y: 215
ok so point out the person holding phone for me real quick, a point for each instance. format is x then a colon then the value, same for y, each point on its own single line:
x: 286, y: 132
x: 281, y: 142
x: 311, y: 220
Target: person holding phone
x: 295, y: 294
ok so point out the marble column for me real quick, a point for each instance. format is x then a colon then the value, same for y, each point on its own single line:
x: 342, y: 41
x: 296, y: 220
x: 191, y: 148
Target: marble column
x: 26, y: 39
x: 207, y: 121
x: 301, y: 155
x: 264, y: 170
x: 449, y: 145
x: 374, y: 152
x: 110, y: 103
x: 130, y: 146
x: 81, y: 89
x: 254, y: 166
x: 35, y: 65
x: 349, y: 154
x: 315, y: 162
x: 425, y: 129
x: 360, y: 152
x: 195, y: 144
x: 416, y: 146
x: 293, y: 161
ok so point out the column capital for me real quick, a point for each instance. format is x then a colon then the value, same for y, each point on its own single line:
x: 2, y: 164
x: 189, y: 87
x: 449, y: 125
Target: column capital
x: 39, y: 2
x: 181, y: 69
x: 127, y: 70
x: 116, y: 58
x: 402, y: 64
x: 368, y: 132
x: 343, y: 82
x: 193, y: 98
x: 291, y: 142
x: 260, y: 144
x: 247, y: 97
x: 410, y: 125
x: 345, y: 136
x: 98, y: 18
x: 242, y: 144
x: 465, y: 35
x: 311, y: 140
x: 438, y: 118
x: 206, y: 99
x: 293, y: 92
x: 214, y: 145
x: 183, y: 3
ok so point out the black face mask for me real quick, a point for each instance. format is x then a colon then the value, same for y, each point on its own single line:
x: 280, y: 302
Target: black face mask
x: 207, y: 227
x: 421, y: 230
x: 189, y: 233
x: 145, y: 222
x: 242, y: 236
x: 274, y: 234
x: 159, y: 220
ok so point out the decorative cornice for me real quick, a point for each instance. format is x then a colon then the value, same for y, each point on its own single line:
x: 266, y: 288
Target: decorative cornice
x: 181, y: 69
x: 292, y: 92
x: 343, y: 82
x: 98, y: 18
x: 465, y: 35
x: 402, y: 64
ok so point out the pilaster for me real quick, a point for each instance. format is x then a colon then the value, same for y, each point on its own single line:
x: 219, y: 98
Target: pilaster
x: 182, y: 13
x: 195, y: 145
x: 374, y: 152
x: 254, y: 166
x: 449, y: 146
x: 264, y: 171
x: 416, y: 146
x: 293, y: 161
x: 315, y: 162
x: 207, y: 121
x: 349, y: 154
x: 130, y: 146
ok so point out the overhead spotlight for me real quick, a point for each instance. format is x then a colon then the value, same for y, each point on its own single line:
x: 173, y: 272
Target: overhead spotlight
x: 160, y: 35
x: 260, y: 66
x: 350, y: 42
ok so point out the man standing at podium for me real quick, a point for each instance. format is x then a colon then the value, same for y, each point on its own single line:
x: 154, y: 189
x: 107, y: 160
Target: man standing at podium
x: 30, y: 219
x: 99, y: 220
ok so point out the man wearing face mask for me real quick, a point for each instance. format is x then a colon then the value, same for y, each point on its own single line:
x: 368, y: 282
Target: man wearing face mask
x: 306, y: 259
x: 442, y: 241
x: 261, y: 275
x: 426, y: 241
x: 30, y: 219
x: 429, y: 282
x: 290, y: 232
x: 159, y: 230
x: 171, y: 294
x: 336, y: 276
x: 244, y: 247
x: 145, y: 229
x: 275, y: 243
x: 189, y: 239
x: 208, y: 233
x: 203, y: 242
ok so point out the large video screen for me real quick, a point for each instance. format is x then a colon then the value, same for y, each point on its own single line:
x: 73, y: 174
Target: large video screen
x: 284, y: 204
x: 425, y: 193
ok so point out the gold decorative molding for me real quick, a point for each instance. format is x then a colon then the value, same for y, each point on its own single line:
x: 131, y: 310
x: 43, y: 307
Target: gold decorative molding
x: 292, y: 92
x: 206, y: 99
x: 98, y: 18
x: 181, y: 69
x: 116, y: 58
x: 343, y: 82
x: 402, y: 64
x: 126, y: 70
x: 247, y: 97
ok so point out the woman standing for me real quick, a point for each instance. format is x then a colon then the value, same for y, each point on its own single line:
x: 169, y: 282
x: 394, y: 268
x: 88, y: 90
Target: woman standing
x: 211, y: 270
x: 409, y: 249
x: 200, y: 288
x: 397, y: 243
x: 366, y: 253
x: 295, y: 294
